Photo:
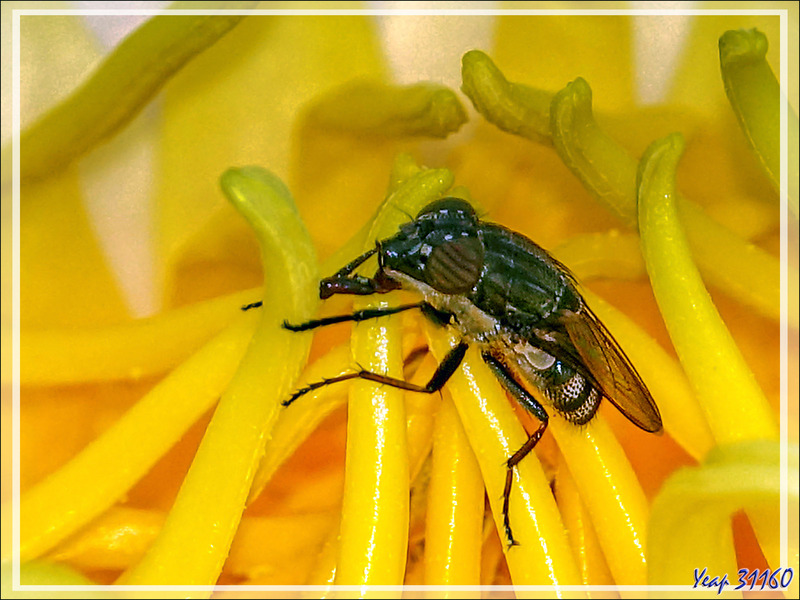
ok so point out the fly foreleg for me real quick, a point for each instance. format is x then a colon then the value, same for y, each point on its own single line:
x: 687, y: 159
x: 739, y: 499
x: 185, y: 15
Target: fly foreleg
x: 530, y: 403
x: 344, y: 282
x: 443, y: 372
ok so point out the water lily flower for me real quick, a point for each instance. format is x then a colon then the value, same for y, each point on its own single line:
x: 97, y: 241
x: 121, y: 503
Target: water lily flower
x: 158, y: 449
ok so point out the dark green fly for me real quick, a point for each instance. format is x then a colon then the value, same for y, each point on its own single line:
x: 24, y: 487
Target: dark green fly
x: 501, y: 291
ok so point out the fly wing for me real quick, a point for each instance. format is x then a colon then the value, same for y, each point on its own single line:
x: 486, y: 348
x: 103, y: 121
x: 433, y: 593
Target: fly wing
x: 612, y: 370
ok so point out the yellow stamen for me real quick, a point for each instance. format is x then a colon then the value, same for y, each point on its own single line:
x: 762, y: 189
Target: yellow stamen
x: 743, y: 270
x: 93, y: 480
x: 372, y: 108
x: 131, y: 350
x: 200, y: 527
x: 374, y: 529
x: 454, y: 523
x: 754, y: 94
x: 614, y: 255
x: 421, y: 411
x: 120, y: 88
x: 513, y: 107
x: 611, y: 492
x: 299, y: 420
x: 543, y: 556
x: 736, y: 408
x: 585, y: 545
x: 682, y: 416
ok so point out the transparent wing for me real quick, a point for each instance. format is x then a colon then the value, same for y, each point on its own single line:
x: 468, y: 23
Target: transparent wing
x: 612, y: 370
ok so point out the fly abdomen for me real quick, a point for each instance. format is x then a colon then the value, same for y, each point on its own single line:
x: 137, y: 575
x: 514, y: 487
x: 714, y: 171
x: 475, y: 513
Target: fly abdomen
x: 570, y: 393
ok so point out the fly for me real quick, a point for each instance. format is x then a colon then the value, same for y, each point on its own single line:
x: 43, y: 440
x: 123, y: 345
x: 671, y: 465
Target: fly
x: 502, y: 292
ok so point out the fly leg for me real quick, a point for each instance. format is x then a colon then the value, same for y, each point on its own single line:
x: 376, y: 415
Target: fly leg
x: 530, y: 404
x: 344, y: 282
x: 370, y: 313
x: 443, y: 372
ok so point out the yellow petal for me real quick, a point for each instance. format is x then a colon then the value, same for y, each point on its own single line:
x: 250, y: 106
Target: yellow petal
x: 690, y: 523
x: 555, y: 49
x: 696, y: 81
x: 236, y: 105
x: 612, y: 255
x: 347, y: 139
x: 119, y: 89
x: 64, y: 278
x: 57, y: 52
x: 220, y: 258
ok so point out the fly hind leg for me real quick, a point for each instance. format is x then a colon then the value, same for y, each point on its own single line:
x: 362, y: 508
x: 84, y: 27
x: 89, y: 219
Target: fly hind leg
x: 443, y: 372
x: 530, y: 404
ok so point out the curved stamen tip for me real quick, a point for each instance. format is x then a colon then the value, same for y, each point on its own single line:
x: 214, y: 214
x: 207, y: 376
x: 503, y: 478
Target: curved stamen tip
x: 742, y: 45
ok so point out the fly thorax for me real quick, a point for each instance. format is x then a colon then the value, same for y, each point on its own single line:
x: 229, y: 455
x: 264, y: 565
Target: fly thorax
x: 473, y: 323
x: 442, y: 248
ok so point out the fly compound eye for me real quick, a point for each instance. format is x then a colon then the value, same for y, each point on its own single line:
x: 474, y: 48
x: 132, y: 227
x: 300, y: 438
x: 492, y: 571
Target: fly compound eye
x: 447, y: 206
x: 454, y: 267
